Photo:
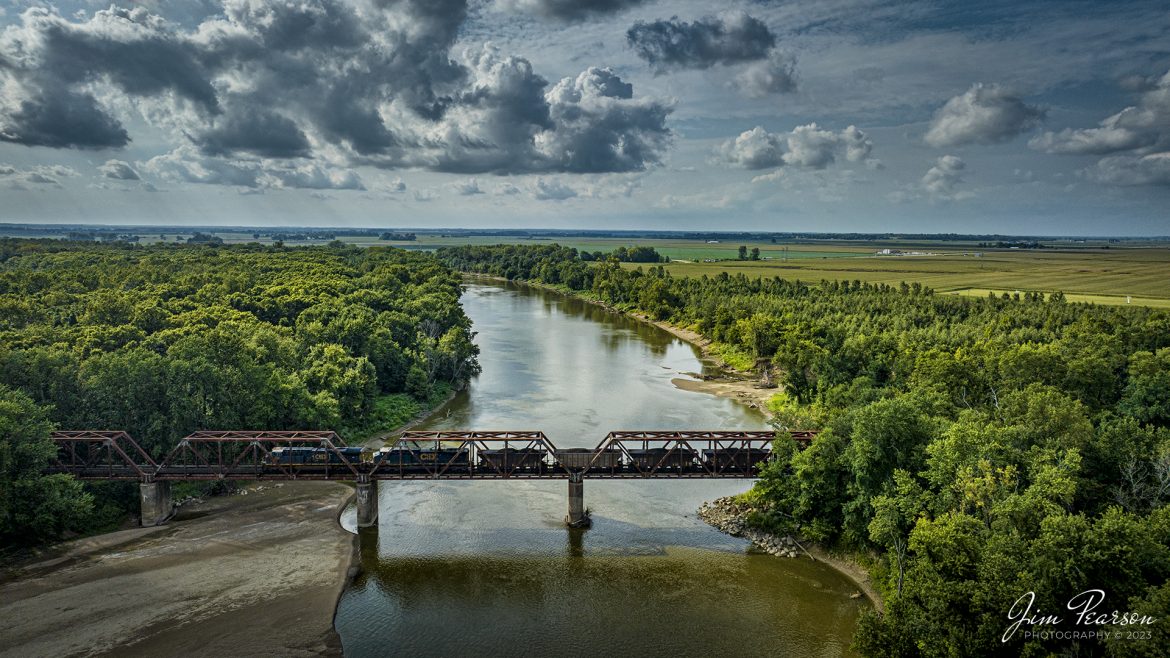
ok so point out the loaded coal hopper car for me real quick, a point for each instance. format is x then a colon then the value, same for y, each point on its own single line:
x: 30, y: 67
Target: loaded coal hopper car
x: 510, y: 460
x: 735, y: 459
x: 679, y: 459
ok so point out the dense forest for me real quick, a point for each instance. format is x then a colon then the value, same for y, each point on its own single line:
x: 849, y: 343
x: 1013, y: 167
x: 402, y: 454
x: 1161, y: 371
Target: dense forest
x: 164, y: 340
x: 972, y: 449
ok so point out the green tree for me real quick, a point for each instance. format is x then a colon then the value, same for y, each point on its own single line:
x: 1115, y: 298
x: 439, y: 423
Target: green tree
x: 34, y: 507
x: 1147, y: 393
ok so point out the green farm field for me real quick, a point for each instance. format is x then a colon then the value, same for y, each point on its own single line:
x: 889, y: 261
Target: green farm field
x: 688, y: 250
x: 1102, y: 276
x: 1132, y: 272
x: 1090, y: 272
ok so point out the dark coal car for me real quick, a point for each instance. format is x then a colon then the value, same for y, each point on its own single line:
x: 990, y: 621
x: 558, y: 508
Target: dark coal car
x: 510, y: 460
x: 667, y: 460
x: 735, y: 460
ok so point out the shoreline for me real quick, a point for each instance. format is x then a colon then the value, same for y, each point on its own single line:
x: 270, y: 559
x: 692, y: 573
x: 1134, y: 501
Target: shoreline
x: 408, y: 425
x: 739, y: 387
x: 85, y: 553
x: 727, y: 516
x: 741, y: 391
x: 51, y: 573
x: 223, y: 577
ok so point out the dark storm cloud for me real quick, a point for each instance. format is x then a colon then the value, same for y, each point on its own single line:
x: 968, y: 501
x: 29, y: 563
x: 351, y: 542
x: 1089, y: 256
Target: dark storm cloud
x: 48, y: 61
x: 601, y: 128
x: 134, y: 51
x: 59, y: 118
x: 511, y: 124
x: 258, y: 132
x: 493, y: 126
x: 376, y: 82
x: 569, y: 10
x: 289, y: 27
x: 675, y: 44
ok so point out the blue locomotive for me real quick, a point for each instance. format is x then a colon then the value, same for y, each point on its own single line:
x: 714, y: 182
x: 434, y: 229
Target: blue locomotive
x: 301, y: 456
x: 424, y: 460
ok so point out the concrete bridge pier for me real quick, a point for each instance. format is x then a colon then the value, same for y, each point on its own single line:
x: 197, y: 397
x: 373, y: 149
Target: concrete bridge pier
x: 155, y: 503
x: 577, y: 517
x: 367, y: 503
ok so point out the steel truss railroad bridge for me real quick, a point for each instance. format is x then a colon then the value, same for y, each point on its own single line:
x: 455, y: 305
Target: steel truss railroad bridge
x: 416, y: 455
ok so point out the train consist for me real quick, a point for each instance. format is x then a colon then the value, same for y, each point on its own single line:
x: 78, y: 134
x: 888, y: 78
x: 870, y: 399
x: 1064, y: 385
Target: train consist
x: 424, y: 459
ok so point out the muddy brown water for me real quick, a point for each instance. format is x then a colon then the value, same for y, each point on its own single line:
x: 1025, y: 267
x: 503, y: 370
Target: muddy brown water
x: 488, y: 568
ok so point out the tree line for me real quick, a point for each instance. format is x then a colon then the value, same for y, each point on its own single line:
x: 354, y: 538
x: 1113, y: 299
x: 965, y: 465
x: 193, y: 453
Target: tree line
x: 972, y: 449
x: 164, y: 340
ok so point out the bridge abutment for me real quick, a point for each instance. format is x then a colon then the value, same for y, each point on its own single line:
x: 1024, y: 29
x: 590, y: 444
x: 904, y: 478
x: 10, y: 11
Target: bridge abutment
x: 154, y: 499
x: 367, y: 503
x: 577, y: 517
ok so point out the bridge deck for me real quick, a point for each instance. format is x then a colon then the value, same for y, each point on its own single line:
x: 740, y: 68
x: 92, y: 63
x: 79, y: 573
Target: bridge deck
x: 418, y: 455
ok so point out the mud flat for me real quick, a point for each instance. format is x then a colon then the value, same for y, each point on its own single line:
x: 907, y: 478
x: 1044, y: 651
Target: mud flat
x: 256, y: 573
x: 741, y: 390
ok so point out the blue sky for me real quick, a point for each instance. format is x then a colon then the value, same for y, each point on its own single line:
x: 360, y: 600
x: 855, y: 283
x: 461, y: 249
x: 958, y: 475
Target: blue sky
x: 1011, y: 117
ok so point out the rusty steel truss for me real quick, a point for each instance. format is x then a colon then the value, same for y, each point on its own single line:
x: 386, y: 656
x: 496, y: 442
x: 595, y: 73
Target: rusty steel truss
x: 462, y: 454
x: 219, y: 455
x: 101, y: 455
x: 448, y: 454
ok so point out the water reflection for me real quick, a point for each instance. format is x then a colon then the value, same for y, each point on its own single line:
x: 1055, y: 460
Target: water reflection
x: 487, y: 568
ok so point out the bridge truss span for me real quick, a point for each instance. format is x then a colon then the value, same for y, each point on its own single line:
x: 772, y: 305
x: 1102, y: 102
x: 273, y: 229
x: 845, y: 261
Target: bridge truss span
x: 681, y: 454
x: 417, y: 455
x: 261, y: 454
x: 466, y: 454
x: 101, y: 455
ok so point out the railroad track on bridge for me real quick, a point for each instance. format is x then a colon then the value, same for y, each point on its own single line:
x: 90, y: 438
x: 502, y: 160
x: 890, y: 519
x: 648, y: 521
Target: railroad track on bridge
x: 416, y: 455
x: 459, y: 454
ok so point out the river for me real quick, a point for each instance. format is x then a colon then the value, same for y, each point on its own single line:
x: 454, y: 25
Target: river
x: 488, y: 568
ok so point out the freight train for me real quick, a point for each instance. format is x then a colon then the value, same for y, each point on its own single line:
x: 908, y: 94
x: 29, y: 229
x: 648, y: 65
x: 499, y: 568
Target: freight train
x: 419, y: 460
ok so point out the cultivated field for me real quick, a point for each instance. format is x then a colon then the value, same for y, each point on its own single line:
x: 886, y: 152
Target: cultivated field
x: 1103, y: 276
x: 1098, y: 271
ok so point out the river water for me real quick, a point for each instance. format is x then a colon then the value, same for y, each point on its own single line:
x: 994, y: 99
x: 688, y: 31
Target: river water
x: 488, y: 568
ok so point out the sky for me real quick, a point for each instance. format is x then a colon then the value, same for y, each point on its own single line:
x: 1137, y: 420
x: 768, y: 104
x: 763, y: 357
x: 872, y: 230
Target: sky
x: 1018, y: 117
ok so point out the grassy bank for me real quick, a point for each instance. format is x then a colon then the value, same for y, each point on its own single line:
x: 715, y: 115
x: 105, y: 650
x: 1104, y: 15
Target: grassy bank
x: 392, y: 413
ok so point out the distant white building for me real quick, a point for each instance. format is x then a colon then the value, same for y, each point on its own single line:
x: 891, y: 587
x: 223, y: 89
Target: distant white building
x: 712, y: 242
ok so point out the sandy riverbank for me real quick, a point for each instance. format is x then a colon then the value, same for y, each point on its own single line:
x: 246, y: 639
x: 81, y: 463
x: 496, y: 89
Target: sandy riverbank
x: 740, y: 390
x: 244, y: 575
